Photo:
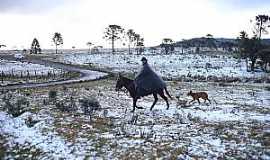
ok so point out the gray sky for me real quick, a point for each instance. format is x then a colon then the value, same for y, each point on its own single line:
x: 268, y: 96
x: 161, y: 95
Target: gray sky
x: 80, y: 21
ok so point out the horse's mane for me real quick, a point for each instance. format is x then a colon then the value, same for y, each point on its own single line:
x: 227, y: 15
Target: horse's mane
x: 129, y: 79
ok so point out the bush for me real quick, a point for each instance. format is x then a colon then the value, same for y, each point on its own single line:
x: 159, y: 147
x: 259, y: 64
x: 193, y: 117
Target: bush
x: 26, y: 92
x: 66, y: 105
x: 89, y: 105
x: 52, y: 95
x: 7, y: 97
x: 60, y: 105
x: 30, y: 122
x: 18, y: 108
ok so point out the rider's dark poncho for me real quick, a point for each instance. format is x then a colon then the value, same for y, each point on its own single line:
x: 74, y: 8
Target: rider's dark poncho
x: 147, y: 82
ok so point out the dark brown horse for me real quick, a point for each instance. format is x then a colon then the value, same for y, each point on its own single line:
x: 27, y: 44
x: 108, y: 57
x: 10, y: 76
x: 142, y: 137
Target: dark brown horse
x: 130, y: 86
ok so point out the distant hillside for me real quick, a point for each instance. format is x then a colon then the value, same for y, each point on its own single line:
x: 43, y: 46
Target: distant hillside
x: 211, y: 42
x: 266, y: 41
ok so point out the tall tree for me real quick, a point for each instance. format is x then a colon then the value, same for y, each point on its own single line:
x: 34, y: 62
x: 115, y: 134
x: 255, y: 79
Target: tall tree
x: 89, y: 44
x: 243, y: 44
x: 262, y: 22
x: 167, y: 44
x: 96, y: 49
x: 249, y: 48
x: 209, y: 36
x: 264, y: 54
x: 139, y: 43
x: 35, y: 47
x: 57, y: 40
x: 2, y: 45
x: 113, y: 33
x: 210, y: 41
x: 131, y: 38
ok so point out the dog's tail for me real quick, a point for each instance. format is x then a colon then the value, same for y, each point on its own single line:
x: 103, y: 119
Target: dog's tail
x: 167, y: 92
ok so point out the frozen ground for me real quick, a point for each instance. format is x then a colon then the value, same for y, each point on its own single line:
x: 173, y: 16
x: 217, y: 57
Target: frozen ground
x: 170, y: 66
x: 38, y: 74
x: 235, y: 127
x: 18, y: 68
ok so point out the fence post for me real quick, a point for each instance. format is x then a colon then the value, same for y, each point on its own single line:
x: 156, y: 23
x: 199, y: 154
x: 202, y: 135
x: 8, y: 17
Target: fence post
x: 28, y: 76
x: 53, y: 74
x: 35, y: 76
x: 49, y: 74
x: 2, y: 76
x: 12, y: 73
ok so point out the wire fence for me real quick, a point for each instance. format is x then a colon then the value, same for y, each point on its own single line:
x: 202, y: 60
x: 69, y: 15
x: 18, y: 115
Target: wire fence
x: 34, y: 75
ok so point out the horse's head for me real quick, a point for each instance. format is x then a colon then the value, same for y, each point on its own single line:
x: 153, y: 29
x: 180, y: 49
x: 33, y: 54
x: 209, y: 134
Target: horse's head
x: 119, y: 83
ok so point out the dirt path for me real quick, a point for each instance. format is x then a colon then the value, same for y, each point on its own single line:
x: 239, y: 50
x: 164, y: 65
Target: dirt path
x: 85, y: 75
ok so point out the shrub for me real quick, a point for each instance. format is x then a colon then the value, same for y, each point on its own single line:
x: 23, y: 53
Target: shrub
x: 7, y: 97
x: 26, y: 92
x: 89, y: 105
x: 18, y: 108
x: 66, y: 105
x: 65, y: 88
x: 30, y: 122
x: 61, y: 106
x: 52, y: 95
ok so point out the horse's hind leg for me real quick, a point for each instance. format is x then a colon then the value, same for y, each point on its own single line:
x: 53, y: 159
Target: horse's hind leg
x: 134, y: 104
x: 155, y: 101
x: 165, y: 98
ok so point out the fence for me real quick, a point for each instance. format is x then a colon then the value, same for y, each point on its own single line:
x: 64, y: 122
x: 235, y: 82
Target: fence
x: 34, y: 75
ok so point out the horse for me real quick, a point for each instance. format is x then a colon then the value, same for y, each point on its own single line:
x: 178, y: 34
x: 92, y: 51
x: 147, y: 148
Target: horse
x: 130, y: 86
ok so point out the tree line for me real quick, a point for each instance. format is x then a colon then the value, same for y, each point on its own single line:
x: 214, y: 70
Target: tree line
x: 253, y: 48
x: 112, y: 33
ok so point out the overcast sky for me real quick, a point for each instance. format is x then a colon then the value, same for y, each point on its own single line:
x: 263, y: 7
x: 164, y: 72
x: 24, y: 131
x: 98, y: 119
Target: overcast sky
x: 80, y: 21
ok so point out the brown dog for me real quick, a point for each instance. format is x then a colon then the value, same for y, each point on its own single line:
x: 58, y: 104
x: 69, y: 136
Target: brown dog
x: 198, y: 95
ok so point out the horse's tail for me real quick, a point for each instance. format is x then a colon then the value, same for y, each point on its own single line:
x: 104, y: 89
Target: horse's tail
x: 167, y: 92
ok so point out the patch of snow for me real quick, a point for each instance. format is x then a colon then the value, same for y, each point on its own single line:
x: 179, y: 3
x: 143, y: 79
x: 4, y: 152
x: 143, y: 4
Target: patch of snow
x: 18, y: 68
x: 48, y: 142
x: 175, y: 65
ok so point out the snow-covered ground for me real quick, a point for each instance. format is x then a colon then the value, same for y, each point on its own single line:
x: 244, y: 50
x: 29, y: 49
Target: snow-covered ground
x: 170, y: 66
x: 234, y: 126
x: 18, y: 68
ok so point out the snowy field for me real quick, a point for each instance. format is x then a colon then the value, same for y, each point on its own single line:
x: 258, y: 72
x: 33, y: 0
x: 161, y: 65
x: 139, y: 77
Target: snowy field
x: 235, y: 127
x: 169, y: 66
x: 18, y: 68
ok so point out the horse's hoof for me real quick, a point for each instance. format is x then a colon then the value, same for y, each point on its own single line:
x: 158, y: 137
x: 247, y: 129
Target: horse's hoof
x: 140, y: 107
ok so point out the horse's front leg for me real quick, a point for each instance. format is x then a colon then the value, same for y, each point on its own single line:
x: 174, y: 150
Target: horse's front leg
x: 134, y: 104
